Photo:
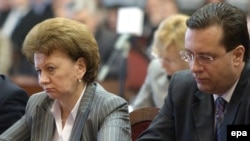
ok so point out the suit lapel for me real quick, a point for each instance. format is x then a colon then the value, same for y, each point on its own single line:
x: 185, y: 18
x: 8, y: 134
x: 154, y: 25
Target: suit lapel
x: 202, y: 108
x: 83, y: 112
x: 239, y: 94
x: 230, y: 115
x: 44, y: 125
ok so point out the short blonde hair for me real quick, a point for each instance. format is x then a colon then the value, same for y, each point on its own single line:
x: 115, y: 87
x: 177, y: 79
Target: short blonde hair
x: 171, y: 32
x: 69, y: 36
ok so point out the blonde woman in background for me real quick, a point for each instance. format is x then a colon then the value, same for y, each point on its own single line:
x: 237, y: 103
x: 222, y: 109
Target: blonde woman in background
x: 168, y: 42
x: 5, y: 55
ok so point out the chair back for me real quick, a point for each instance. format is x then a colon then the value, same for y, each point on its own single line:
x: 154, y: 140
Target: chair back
x: 140, y: 119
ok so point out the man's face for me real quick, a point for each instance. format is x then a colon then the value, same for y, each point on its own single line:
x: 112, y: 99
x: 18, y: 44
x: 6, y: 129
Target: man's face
x: 218, y: 75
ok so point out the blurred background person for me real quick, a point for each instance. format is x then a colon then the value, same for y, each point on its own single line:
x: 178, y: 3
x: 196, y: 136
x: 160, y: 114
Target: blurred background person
x: 13, y: 99
x: 5, y: 55
x: 95, y: 17
x: 168, y: 42
x: 155, y: 11
x: 72, y: 106
x: 20, y: 19
x: 42, y: 7
x: 4, y: 11
x: 62, y: 8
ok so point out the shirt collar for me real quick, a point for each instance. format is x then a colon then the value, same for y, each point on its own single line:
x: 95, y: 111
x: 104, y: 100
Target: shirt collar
x: 55, y: 109
x: 76, y: 107
x: 227, y: 96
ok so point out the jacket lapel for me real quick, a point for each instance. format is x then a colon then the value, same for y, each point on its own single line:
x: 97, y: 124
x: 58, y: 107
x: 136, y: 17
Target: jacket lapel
x: 238, y: 96
x: 43, y: 126
x: 202, y: 108
x: 83, y: 111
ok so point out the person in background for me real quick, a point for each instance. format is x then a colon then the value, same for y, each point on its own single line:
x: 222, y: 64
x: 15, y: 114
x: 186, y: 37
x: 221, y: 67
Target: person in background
x: 140, y: 46
x: 20, y: 19
x: 94, y: 17
x: 156, y: 12
x: 4, y: 11
x: 72, y: 106
x: 42, y: 7
x: 214, y: 93
x: 13, y: 99
x: 5, y: 54
x: 168, y: 42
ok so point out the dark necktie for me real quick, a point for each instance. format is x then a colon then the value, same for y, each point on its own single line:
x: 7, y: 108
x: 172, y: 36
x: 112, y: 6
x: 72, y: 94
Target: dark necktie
x: 220, y: 104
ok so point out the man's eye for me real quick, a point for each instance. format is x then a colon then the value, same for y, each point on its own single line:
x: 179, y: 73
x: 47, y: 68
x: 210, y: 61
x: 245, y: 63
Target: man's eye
x: 206, y: 58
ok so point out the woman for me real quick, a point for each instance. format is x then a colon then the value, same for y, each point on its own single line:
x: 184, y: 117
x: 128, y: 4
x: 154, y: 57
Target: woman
x: 5, y: 55
x: 168, y: 42
x: 72, y: 107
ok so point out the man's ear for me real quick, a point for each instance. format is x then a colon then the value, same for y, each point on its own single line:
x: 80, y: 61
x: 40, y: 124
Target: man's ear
x: 239, y: 54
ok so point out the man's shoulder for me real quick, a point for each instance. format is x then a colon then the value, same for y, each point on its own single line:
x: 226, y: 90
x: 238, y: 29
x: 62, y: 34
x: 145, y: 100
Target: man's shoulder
x: 10, y: 87
x: 184, y: 75
x: 183, y: 80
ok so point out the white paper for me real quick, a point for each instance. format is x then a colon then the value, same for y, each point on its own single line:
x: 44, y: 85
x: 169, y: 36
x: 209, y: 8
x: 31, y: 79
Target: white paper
x: 130, y: 20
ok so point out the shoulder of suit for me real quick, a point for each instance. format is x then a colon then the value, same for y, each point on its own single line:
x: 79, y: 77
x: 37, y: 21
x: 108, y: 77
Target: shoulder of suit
x: 39, y: 97
x: 183, y: 76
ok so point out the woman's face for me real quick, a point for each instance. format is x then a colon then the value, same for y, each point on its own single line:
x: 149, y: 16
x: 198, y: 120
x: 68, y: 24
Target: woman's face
x: 171, y: 60
x: 58, y: 74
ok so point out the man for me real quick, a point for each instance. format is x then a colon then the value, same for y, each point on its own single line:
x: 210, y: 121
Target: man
x: 217, y: 50
x: 12, y: 103
x: 13, y: 99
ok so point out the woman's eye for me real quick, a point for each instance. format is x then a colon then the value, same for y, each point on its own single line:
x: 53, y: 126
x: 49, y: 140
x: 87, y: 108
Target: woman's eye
x: 51, y: 68
x: 38, y: 71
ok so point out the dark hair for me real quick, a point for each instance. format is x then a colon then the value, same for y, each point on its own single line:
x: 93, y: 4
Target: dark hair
x: 230, y: 18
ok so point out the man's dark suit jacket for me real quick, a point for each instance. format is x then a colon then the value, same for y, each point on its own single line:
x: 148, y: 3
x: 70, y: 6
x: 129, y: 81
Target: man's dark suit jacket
x: 188, y: 113
x: 12, y: 103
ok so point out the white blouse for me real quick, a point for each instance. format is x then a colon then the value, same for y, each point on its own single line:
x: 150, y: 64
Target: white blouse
x: 63, y: 133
